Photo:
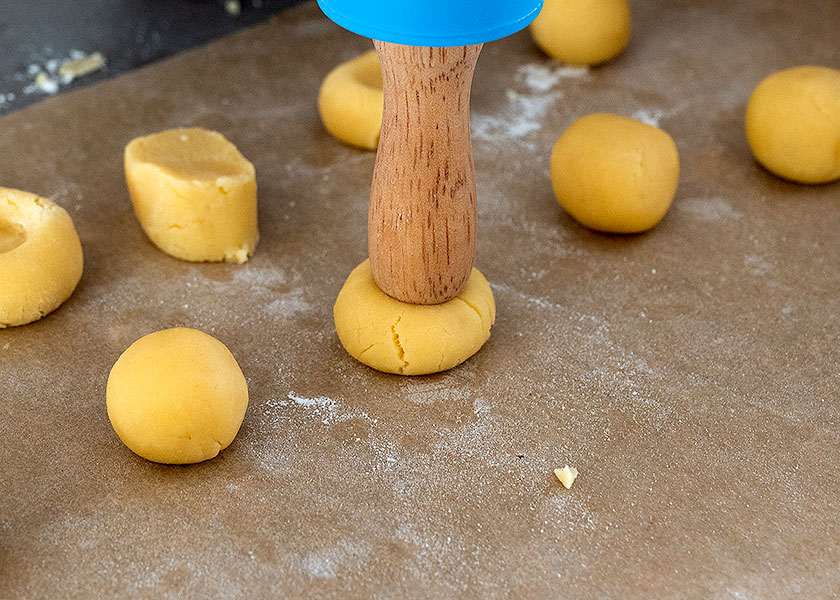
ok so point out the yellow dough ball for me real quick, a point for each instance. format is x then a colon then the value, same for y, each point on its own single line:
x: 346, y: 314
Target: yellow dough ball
x: 615, y: 174
x: 793, y: 124
x: 40, y: 257
x: 176, y: 396
x: 582, y: 32
x: 412, y: 339
x: 350, y: 101
x: 194, y: 194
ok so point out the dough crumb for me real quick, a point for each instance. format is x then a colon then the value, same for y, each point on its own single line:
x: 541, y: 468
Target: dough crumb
x: 79, y: 66
x: 566, y: 476
x: 44, y: 84
x: 54, y: 73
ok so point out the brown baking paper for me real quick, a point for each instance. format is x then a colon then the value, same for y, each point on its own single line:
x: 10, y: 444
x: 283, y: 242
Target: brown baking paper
x: 690, y: 373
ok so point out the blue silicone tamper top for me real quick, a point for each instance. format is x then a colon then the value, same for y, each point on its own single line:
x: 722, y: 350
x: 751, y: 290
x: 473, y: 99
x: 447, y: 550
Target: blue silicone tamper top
x: 436, y: 23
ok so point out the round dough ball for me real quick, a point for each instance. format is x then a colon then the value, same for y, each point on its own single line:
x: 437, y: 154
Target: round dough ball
x: 793, y: 124
x: 615, y: 174
x: 350, y: 101
x: 194, y: 194
x: 176, y: 396
x: 40, y: 257
x: 412, y: 339
x: 582, y: 32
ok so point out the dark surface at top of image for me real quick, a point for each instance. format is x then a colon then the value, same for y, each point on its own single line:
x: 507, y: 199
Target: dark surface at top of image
x: 38, y: 35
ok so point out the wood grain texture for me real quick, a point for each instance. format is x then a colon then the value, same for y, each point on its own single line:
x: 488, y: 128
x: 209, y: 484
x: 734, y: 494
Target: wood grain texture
x: 422, y: 216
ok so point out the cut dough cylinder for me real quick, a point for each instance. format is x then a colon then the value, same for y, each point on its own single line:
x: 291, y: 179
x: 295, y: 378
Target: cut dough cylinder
x: 350, y: 101
x: 194, y: 194
x: 412, y: 339
x: 793, y: 124
x: 40, y: 257
x: 582, y: 32
x: 615, y: 174
x: 176, y: 396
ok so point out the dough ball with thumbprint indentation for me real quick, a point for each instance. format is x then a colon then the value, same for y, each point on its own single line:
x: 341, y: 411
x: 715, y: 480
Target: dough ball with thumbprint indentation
x: 176, y: 396
x: 615, y: 174
x: 793, y: 124
x: 582, y: 32
x: 350, y: 101
x: 41, y: 258
x: 412, y: 339
x: 194, y: 194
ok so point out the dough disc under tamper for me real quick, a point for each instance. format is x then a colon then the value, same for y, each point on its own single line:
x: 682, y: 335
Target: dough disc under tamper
x: 422, y: 216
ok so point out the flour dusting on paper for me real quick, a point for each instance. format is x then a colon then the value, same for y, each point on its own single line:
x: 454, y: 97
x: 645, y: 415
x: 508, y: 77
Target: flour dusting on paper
x: 707, y: 209
x: 523, y: 116
x: 654, y: 116
x: 526, y: 108
x: 540, y: 78
x: 326, y: 408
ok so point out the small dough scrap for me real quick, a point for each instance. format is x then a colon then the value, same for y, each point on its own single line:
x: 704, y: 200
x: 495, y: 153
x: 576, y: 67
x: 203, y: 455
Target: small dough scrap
x: 582, y: 32
x: 194, y: 194
x: 350, y: 101
x: 41, y: 258
x: 566, y: 476
x: 79, y: 67
x: 615, y: 174
x: 176, y: 396
x: 793, y: 124
x: 412, y: 339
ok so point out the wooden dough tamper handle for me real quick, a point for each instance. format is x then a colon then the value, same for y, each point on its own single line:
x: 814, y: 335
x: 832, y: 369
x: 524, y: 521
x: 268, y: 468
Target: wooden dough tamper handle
x: 422, y: 218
